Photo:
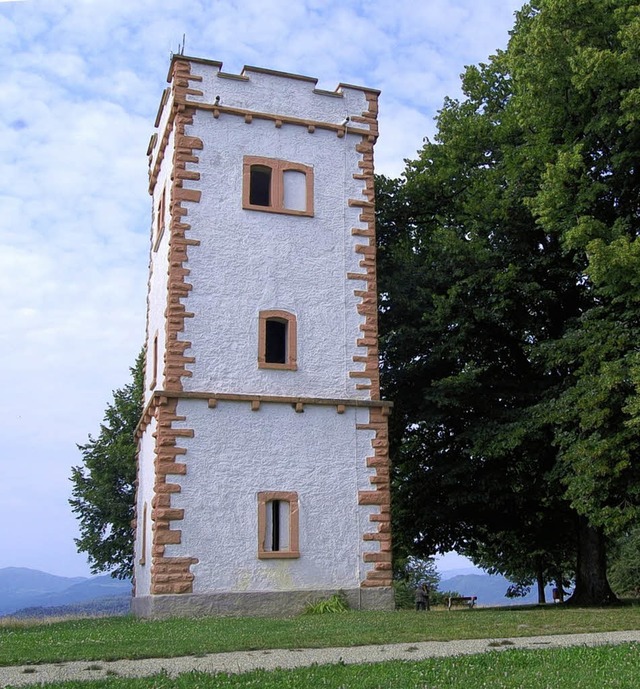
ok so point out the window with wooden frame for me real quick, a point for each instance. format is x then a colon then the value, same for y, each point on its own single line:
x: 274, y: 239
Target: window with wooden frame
x: 278, y: 525
x: 160, y: 219
x: 143, y: 540
x: 277, y: 186
x: 277, y: 340
x: 154, y: 362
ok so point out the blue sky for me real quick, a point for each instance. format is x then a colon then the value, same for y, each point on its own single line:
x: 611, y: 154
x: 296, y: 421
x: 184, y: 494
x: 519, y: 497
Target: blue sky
x: 79, y: 89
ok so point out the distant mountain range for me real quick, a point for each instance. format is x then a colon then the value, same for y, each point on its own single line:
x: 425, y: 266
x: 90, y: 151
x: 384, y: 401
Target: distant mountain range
x: 30, y: 591
x: 490, y: 588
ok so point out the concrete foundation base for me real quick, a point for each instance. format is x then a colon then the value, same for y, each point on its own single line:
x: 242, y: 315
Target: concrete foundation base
x: 254, y: 603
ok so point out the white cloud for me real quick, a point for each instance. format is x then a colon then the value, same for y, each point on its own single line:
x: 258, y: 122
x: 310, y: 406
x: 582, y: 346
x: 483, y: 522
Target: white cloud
x: 78, y: 98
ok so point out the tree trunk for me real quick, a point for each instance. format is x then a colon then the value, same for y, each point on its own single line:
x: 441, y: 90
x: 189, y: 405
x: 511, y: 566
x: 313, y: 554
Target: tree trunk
x: 541, y: 583
x: 592, y: 587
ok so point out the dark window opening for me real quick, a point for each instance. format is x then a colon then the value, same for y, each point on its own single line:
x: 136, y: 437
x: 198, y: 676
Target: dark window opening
x: 276, y: 342
x: 260, y: 186
x: 154, y: 362
x: 275, y: 525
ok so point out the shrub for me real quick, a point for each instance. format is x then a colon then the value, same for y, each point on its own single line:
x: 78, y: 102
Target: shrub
x: 337, y: 603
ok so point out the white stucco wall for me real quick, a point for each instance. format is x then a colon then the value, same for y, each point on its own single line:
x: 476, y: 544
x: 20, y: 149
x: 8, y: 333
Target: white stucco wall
x: 236, y: 453
x: 270, y: 92
x: 144, y: 495
x: 158, y: 276
x: 250, y: 260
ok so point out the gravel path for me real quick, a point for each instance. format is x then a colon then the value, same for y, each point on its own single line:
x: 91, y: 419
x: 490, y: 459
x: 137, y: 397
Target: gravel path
x: 243, y: 661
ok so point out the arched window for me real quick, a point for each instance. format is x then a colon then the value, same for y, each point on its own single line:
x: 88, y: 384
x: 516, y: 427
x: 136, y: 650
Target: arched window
x: 277, y: 340
x: 277, y: 186
x: 278, y: 525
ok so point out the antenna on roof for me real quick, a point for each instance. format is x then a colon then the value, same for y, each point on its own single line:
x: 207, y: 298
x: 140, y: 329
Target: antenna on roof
x: 181, y: 48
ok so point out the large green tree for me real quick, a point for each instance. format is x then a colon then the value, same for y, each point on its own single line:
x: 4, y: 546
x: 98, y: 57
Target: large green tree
x: 589, y: 196
x: 103, y: 486
x: 509, y: 290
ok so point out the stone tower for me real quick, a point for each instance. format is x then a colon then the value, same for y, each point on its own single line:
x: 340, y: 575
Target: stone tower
x: 263, y: 472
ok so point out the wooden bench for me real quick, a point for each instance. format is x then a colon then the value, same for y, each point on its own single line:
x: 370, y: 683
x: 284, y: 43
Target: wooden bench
x: 468, y: 600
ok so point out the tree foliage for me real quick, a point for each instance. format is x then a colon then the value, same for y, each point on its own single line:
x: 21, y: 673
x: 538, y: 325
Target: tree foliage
x: 509, y: 304
x: 624, y: 569
x: 417, y: 571
x: 103, y: 487
x: 588, y: 196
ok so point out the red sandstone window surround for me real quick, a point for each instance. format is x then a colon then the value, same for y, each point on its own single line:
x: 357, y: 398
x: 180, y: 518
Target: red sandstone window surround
x: 278, y: 525
x: 277, y: 340
x: 277, y: 186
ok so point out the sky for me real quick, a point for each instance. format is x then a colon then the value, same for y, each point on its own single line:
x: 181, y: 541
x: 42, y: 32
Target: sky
x: 80, y: 84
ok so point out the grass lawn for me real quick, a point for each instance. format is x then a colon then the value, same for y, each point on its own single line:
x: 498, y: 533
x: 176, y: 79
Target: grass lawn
x: 127, y: 637
x: 569, y: 668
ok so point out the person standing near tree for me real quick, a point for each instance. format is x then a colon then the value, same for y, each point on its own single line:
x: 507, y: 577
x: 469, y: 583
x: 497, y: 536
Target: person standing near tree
x: 422, y: 597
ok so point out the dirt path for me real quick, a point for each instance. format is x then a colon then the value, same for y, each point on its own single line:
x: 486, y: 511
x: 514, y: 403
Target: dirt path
x: 243, y: 661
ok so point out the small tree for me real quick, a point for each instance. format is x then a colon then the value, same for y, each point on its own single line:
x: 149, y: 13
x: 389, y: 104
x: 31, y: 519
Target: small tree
x: 103, y: 487
x: 418, y: 571
x: 412, y: 572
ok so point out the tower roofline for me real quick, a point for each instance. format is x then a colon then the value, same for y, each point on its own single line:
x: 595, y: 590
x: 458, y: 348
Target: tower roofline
x: 248, y: 69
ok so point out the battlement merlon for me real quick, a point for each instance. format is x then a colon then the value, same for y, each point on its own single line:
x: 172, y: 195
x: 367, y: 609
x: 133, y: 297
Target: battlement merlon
x: 258, y: 93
